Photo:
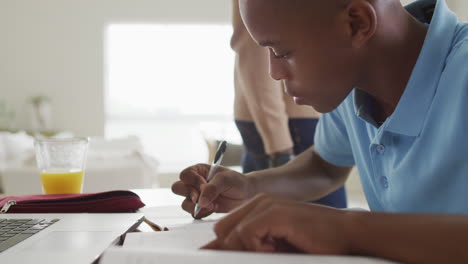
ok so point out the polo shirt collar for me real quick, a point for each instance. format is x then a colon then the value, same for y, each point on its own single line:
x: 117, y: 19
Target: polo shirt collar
x: 410, y: 114
x: 363, y: 103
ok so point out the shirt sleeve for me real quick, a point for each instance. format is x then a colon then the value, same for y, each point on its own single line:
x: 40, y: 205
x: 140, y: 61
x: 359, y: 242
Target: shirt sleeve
x: 332, y: 141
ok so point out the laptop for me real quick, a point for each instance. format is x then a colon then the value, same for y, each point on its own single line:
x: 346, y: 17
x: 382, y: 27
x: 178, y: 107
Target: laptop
x: 62, y: 238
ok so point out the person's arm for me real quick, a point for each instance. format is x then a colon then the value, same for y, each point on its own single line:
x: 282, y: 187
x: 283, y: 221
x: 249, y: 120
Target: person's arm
x: 272, y: 224
x: 306, y: 178
x: 410, y: 238
x: 263, y: 96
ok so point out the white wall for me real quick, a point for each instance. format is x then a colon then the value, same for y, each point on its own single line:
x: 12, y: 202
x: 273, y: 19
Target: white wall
x: 460, y: 7
x: 56, y: 47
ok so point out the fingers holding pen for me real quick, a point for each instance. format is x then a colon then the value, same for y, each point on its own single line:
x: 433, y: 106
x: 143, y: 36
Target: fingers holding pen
x: 226, y: 189
x: 189, y: 184
x: 207, y: 200
x: 182, y: 189
x: 210, y: 196
x: 212, y: 190
x: 195, y: 175
x: 189, y: 206
x: 193, y: 196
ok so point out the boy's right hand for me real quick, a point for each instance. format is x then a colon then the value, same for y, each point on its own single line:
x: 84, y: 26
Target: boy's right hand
x: 227, y: 189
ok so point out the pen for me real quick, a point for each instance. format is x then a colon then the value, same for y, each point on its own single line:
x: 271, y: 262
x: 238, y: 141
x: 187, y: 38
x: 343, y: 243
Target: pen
x: 216, y: 162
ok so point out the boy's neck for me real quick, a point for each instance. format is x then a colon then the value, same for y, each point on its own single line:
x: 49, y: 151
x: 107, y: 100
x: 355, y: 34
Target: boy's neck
x: 392, y: 57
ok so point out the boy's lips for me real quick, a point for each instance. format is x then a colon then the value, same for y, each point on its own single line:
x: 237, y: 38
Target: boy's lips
x: 289, y: 92
x: 299, y: 100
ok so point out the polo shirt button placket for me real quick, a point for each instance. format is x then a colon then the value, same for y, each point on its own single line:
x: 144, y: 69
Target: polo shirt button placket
x: 380, y: 149
x: 384, y: 182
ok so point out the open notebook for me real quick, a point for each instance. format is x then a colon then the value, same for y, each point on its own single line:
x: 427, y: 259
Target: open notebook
x: 181, y: 244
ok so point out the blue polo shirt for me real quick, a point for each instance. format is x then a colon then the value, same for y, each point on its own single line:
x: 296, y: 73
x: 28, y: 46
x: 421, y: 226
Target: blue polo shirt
x: 417, y: 160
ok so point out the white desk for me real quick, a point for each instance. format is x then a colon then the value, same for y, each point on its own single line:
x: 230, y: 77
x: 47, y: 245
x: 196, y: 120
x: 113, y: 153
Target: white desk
x: 163, y: 208
x: 158, y: 197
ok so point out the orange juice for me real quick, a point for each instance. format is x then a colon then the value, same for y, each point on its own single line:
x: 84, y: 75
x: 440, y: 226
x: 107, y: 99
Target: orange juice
x: 62, y: 181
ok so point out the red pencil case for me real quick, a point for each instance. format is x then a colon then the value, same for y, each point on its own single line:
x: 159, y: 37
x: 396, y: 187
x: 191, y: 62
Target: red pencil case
x: 103, y: 202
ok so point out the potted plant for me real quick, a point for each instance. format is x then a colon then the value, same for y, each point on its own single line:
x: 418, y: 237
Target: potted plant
x: 41, y: 114
x: 7, y: 116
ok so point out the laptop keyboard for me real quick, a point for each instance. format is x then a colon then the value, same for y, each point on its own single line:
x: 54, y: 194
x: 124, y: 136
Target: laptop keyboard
x: 13, y: 231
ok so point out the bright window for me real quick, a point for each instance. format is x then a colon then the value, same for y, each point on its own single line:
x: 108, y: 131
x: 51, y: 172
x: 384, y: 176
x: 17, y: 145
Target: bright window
x: 170, y: 85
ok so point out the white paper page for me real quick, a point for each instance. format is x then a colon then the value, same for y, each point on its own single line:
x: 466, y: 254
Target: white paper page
x: 186, y: 236
x: 158, y: 256
x: 174, y: 217
x: 184, y: 232
x: 180, y: 239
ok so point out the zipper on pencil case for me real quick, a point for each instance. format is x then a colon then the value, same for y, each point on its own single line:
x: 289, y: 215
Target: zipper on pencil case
x: 68, y: 201
x: 7, y: 206
x: 36, y: 205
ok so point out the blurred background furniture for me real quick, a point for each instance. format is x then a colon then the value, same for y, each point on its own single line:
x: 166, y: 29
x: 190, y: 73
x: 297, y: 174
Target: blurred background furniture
x: 232, y: 156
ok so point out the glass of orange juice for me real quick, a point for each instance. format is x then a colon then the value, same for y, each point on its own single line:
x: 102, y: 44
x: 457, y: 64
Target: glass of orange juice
x: 61, y: 164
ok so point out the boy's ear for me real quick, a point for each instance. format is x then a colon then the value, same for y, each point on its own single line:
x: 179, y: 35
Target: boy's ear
x: 361, y: 22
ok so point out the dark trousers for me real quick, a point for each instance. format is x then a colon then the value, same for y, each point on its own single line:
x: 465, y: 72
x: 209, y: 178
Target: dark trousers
x: 302, y: 132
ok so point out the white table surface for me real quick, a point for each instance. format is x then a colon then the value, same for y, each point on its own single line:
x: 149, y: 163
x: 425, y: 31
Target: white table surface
x: 158, y: 197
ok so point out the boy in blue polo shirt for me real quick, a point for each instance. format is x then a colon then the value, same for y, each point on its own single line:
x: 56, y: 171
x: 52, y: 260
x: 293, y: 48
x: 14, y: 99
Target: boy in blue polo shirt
x: 394, y: 91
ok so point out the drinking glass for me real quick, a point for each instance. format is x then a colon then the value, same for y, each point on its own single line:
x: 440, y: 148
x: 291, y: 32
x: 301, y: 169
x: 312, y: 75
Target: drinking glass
x: 61, y: 164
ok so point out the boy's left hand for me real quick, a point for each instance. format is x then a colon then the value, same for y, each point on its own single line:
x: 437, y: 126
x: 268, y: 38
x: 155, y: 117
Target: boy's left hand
x: 271, y: 224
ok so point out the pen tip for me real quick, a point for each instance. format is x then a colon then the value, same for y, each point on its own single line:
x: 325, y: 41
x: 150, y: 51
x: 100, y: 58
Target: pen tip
x: 196, y: 211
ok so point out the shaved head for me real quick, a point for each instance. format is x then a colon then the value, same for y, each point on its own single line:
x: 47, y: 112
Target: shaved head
x: 294, y: 9
x: 288, y: 15
x: 323, y: 49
